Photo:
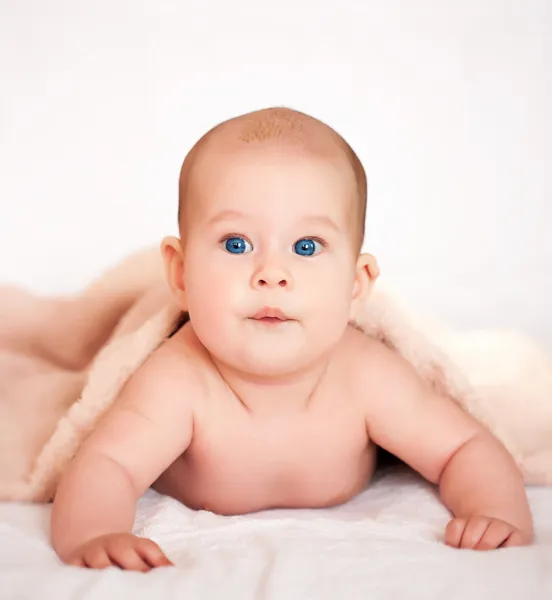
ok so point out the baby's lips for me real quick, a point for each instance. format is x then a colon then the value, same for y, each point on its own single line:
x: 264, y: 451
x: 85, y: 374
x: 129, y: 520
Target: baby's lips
x: 271, y: 312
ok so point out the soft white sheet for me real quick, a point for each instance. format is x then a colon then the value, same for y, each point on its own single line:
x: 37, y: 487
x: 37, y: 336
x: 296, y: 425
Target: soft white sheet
x: 386, y: 543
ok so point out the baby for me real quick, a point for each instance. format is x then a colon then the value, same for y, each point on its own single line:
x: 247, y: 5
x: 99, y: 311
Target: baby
x: 268, y: 396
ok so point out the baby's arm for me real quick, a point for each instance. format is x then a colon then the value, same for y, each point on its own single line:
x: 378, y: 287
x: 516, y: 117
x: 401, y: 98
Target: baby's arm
x: 477, y: 478
x: 146, y: 430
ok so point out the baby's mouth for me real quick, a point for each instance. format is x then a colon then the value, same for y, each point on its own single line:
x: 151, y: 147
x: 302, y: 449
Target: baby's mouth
x: 271, y: 320
x: 270, y: 315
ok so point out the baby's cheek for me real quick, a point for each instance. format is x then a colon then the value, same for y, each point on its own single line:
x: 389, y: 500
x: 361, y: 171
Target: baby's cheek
x: 331, y: 303
x: 330, y: 288
x: 208, y: 279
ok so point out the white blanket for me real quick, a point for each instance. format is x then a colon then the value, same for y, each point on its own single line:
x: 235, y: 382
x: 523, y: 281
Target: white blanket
x: 385, y: 543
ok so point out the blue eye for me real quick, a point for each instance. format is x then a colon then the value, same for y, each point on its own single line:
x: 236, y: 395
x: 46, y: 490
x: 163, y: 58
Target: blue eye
x: 307, y: 246
x: 237, y: 245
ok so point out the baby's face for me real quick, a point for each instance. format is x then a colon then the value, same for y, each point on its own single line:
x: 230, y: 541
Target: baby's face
x: 269, y: 263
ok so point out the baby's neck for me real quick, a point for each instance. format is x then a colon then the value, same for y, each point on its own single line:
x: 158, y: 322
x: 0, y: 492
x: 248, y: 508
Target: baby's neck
x: 264, y: 396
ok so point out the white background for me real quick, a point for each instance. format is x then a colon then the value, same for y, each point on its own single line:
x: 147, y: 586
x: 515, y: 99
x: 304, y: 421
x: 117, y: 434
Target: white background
x: 447, y: 103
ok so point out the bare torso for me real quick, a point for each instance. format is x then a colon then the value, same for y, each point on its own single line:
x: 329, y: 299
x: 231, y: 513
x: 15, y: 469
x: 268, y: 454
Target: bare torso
x: 240, y: 463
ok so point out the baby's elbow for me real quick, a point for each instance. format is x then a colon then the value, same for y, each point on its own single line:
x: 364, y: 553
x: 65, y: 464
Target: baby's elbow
x: 466, y: 448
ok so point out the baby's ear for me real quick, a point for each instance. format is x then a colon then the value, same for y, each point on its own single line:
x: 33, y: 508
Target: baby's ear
x: 173, y: 259
x: 367, y: 271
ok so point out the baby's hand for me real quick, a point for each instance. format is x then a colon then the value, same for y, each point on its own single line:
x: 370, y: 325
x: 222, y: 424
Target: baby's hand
x: 122, y: 550
x: 483, y: 533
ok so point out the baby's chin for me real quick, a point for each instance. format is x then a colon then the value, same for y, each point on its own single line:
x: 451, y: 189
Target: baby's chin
x: 274, y: 359
x: 268, y: 350
x: 272, y: 366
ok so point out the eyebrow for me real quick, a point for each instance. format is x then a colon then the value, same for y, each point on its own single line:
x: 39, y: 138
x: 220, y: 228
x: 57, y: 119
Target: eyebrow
x: 321, y: 220
x: 226, y: 215
x: 229, y: 214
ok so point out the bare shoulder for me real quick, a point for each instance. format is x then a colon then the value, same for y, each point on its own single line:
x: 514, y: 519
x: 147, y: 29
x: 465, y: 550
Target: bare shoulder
x: 168, y: 382
x: 403, y: 413
x: 372, y: 363
x: 152, y: 420
x: 382, y: 380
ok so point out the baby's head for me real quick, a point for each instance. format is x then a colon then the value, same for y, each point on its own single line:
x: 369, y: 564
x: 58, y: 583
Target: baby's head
x: 271, y: 218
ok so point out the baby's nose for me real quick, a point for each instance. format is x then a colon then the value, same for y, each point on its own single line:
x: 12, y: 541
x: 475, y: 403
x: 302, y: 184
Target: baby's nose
x: 271, y: 283
x: 271, y: 277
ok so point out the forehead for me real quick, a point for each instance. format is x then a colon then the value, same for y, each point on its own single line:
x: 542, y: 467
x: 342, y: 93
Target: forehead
x: 271, y: 180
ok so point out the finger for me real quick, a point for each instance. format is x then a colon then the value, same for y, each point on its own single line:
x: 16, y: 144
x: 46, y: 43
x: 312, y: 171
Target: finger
x: 516, y: 538
x: 496, y: 534
x: 474, y: 531
x: 152, y: 554
x: 96, y: 558
x: 453, y: 532
x: 76, y: 561
x: 126, y: 557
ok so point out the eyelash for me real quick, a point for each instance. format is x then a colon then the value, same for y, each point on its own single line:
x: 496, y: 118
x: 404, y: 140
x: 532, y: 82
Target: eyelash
x: 228, y: 236
x: 234, y: 235
x: 322, y: 242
